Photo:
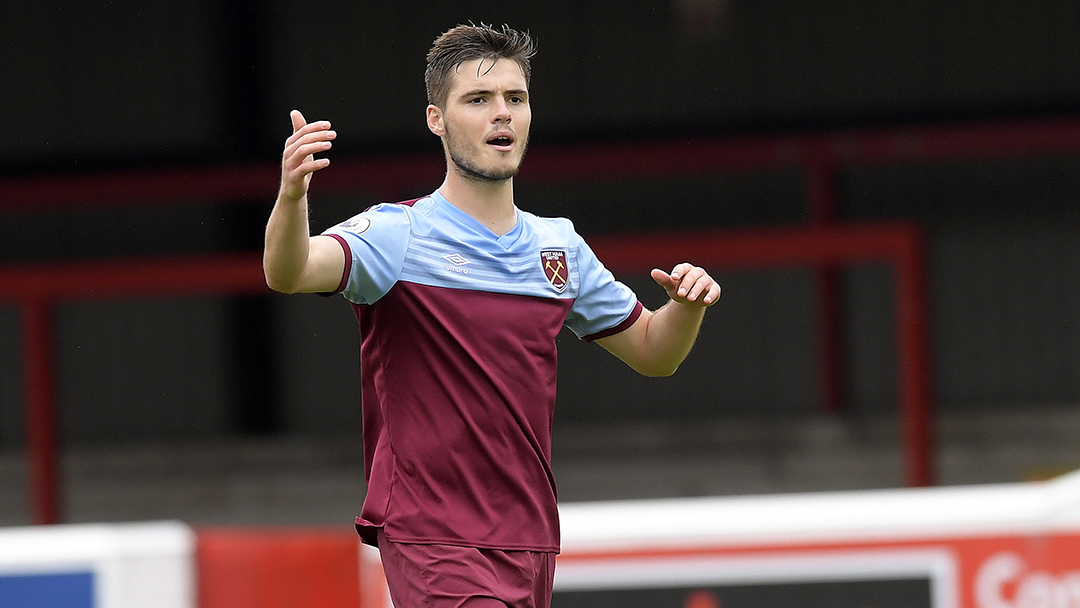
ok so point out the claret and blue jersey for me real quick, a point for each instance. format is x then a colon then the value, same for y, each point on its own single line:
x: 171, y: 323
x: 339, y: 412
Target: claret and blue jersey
x: 458, y: 367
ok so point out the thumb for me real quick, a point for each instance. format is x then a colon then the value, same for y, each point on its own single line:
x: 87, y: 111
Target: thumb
x: 663, y: 279
x: 298, y: 121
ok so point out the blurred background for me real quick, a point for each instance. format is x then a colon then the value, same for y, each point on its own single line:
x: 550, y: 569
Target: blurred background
x: 244, y: 408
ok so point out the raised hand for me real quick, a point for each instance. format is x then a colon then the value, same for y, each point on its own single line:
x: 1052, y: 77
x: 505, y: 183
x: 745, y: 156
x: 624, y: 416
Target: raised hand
x: 688, y: 284
x: 298, y: 161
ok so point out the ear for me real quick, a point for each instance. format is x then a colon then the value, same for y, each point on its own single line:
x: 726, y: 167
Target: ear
x: 435, y: 120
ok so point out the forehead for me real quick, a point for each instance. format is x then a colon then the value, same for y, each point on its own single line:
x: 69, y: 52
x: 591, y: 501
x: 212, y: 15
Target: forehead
x: 484, y: 74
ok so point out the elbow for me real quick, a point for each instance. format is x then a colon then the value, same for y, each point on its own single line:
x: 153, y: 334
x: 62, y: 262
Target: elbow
x: 278, y: 284
x: 665, y: 372
x: 280, y: 288
x: 279, y: 277
x: 657, y: 371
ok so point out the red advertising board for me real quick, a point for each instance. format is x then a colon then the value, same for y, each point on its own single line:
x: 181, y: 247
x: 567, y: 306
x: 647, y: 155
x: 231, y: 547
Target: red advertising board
x: 999, y: 546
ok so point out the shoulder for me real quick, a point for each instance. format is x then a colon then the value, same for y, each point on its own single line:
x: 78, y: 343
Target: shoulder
x: 383, y: 217
x: 401, y: 209
x: 558, y: 228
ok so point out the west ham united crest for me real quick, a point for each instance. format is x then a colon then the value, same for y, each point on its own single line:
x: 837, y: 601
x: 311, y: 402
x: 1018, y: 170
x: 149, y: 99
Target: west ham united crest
x: 554, y: 263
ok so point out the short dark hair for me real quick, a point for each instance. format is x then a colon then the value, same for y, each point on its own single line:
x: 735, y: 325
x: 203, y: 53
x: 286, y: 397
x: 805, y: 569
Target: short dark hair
x: 467, y: 42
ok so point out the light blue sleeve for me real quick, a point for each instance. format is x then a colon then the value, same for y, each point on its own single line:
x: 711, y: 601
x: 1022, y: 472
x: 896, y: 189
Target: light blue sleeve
x: 376, y: 241
x: 602, y: 303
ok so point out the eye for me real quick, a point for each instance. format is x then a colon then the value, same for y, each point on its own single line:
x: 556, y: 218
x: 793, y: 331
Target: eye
x: 477, y: 100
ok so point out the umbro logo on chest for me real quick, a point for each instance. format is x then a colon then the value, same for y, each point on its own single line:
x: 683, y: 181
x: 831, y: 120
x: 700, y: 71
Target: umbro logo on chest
x: 457, y: 263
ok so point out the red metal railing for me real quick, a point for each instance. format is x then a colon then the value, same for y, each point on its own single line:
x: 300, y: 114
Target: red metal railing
x: 900, y: 245
x: 820, y: 156
x: 35, y: 289
x: 821, y: 245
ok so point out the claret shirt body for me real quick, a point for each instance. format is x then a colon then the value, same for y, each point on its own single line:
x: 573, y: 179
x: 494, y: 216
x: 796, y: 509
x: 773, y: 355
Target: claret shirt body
x: 458, y: 367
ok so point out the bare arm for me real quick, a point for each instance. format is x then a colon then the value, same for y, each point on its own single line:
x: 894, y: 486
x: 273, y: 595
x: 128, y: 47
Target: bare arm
x: 658, y: 342
x: 293, y: 260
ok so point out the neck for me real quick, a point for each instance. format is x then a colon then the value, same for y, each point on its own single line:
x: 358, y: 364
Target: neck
x: 490, y: 203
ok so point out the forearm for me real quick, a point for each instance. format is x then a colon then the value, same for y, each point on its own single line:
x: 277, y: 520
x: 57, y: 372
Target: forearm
x: 658, y: 342
x: 668, y: 336
x: 287, y: 244
x: 288, y: 261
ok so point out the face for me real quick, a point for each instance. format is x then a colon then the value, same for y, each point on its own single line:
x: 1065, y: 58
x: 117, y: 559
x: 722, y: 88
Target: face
x: 485, y: 124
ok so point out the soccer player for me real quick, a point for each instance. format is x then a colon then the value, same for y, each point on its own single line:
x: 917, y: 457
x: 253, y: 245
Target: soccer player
x: 459, y: 296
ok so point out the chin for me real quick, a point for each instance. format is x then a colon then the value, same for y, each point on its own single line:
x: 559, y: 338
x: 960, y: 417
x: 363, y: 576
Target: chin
x: 500, y: 172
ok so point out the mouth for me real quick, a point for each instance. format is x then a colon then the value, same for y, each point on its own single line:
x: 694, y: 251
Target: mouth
x: 501, y: 141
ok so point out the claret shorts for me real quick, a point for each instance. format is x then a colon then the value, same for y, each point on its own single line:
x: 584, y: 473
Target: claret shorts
x: 448, y: 576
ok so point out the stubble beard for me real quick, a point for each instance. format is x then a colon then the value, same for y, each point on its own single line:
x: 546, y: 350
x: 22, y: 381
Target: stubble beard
x: 473, y: 172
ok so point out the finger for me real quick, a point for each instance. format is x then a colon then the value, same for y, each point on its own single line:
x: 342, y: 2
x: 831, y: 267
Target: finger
x: 700, y: 289
x: 689, y: 278
x: 706, y: 290
x: 680, y: 270
x: 298, y: 121
x: 663, y: 279
x: 301, y: 126
x: 316, y: 131
x: 309, y: 167
x: 714, y: 294
x: 692, y: 291
x: 304, y: 151
x: 308, y: 143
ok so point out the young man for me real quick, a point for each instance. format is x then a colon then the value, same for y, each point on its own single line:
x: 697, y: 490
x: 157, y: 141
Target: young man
x: 459, y: 296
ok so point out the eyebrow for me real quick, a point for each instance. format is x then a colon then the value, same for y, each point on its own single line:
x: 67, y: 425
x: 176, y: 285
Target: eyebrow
x: 478, y: 92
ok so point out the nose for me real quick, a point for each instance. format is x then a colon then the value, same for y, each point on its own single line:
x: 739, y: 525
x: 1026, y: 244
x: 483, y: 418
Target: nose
x: 501, y: 111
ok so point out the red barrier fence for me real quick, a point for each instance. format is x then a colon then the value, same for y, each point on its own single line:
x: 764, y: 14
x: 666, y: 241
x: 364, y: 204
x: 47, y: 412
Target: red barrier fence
x: 900, y: 245
x: 36, y: 288
x: 820, y: 155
